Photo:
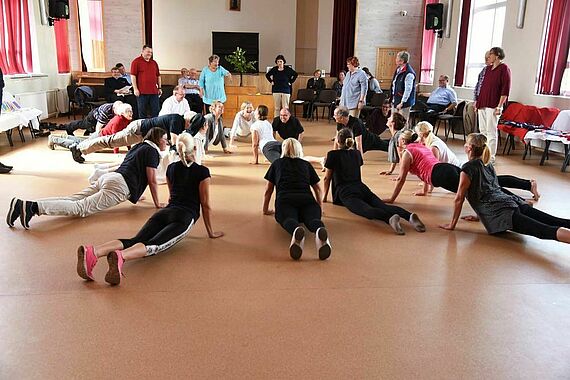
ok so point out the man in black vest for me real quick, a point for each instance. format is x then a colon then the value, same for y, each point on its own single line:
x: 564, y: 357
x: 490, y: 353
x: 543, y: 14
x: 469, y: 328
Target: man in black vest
x: 403, y: 85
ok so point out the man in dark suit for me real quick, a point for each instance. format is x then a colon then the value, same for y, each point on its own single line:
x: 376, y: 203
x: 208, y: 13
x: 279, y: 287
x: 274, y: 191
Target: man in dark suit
x: 316, y: 83
x: 114, y: 90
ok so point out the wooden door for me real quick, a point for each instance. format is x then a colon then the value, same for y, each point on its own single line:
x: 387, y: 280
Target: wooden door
x: 386, y: 64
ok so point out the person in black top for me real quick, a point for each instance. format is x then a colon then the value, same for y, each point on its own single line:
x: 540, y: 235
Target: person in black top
x: 288, y: 126
x: 115, y: 90
x: 343, y: 169
x: 365, y: 140
x: 189, y: 185
x: 128, y: 182
x: 281, y: 78
x: 316, y: 83
x: 294, y: 203
x: 3, y: 168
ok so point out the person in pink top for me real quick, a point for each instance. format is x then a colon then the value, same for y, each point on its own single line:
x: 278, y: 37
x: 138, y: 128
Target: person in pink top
x: 419, y: 160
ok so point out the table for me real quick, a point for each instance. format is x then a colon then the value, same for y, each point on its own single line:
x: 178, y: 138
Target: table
x: 549, y: 136
x: 24, y: 117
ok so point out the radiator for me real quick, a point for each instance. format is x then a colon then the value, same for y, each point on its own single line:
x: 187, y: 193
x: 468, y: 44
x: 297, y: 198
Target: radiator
x: 34, y: 100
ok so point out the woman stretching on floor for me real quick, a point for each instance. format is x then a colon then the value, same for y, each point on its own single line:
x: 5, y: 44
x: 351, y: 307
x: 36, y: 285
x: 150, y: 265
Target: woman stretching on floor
x: 294, y: 203
x: 442, y: 152
x: 419, y: 160
x: 343, y: 168
x: 189, y: 185
x: 497, y: 210
x: 242, y: 122
x: 128, y: 182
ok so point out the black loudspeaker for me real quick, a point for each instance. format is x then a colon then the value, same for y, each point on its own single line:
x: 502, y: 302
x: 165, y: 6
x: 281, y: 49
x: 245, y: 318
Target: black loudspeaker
x: 58, y: 9
x: 434, y: 16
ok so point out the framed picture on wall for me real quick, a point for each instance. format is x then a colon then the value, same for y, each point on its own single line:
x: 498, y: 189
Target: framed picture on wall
x: 235, y: 5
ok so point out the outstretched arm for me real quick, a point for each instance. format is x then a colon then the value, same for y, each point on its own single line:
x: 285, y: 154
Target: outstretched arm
x: 206, y: 209
x: 267, y: 198
x: 153, y: 185
x: 405, y: 165
x: 464, y: 183
x: 255, y: 147
x: 327, y: 182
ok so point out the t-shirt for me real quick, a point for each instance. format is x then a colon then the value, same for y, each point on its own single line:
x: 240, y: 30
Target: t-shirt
x: 147, y: 74
x: 170, y: 123
x: 292, y: 128
x: 292, y: 177
x: 354, y: 124
x: 265, y: 132
x: 133, y: 168
x: 345, y: 164
x: 445, y: 154
x: 423, y: 161
x: 185, y: 186
x: 494, y: 207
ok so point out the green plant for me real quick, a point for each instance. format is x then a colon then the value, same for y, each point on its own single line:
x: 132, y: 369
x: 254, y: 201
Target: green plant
x: 240, y: 63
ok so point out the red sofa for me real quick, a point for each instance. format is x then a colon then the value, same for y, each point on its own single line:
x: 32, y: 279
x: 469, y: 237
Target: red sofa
x: 521, y: 113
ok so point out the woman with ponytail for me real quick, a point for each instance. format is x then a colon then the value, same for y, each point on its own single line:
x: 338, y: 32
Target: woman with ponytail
x: 189, y: 185
x: 343, y: 169
x: 294, y: 178
x: 497, y: 210
x: 420, y: 160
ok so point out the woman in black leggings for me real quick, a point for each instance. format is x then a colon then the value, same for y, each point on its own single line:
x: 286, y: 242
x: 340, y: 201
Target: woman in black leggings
x: 343, y: 168
x: 189, y: 184
x: 294, y: 203
x: 497, y: 210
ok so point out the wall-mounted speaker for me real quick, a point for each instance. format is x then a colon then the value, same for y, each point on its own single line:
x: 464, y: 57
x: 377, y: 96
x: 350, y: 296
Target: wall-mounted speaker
x: 434, y: 16
x: 58, y: 9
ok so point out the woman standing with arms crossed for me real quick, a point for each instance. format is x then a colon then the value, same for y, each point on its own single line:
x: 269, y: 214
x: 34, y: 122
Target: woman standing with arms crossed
x: 281, y: 78
x: 189, y: 185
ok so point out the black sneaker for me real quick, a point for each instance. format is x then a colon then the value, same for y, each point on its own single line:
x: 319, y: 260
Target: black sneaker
x: 76, y: 154
x: 14, y: 211
x: 11, y: 167
x: 26, y: 214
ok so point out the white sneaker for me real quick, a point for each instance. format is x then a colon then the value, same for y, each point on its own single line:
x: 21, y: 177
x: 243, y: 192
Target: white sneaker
x: 297, y: 243
x: 323, y: 243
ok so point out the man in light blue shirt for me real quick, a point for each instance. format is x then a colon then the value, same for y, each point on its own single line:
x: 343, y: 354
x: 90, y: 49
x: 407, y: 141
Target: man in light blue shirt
x: 443, y: 98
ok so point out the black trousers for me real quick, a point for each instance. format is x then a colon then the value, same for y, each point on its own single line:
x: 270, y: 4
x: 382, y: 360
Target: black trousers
x: 529, y: 221
x: 374, y: 142
x: 370, y: 206
x: 164, y: 229
x: 196, y: 103
x: 88, y: 123
x: 293, y: 211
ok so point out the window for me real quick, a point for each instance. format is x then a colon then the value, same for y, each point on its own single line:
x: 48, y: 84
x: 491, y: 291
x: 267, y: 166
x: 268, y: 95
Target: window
x: 15, y: 40
x: 91, y: 34
x: 487, y: 20
x: 554, y: 75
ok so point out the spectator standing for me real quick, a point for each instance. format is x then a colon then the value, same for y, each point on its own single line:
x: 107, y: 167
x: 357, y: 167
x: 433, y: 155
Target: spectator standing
x: 212, y: 82
x: 145, y: 76
x: 354, y: 88
x: 403, y: 85
x: 281, y: 78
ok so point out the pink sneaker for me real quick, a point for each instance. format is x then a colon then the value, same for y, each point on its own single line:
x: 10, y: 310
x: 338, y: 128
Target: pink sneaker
x: 86, y: 261
x: 115, y: 261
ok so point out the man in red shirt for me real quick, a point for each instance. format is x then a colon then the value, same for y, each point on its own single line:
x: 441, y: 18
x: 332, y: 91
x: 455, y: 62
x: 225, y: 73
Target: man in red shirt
x: 492, y: 96
x: 145, y: 76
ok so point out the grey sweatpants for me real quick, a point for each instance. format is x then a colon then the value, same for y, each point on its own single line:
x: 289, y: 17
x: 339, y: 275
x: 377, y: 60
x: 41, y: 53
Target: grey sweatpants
x: 129, y: 136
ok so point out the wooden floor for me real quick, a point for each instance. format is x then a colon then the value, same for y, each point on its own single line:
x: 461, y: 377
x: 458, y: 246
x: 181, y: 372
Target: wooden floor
x: 439, y: 305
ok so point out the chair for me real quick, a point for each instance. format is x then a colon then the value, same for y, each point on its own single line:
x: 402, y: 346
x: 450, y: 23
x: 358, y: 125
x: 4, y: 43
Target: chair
x: 305, y: 96
x: 166, y: 93
x: 98, y: 97
x: 375, y: 102
x: 326, y: 99
x: 452, y: 121
x: 71, y: 96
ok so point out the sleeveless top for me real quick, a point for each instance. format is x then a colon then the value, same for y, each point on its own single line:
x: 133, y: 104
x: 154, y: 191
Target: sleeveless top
x: 423, y: 161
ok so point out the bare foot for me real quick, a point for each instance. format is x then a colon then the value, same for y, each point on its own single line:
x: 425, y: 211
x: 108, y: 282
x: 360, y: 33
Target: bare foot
x: 534, y: 190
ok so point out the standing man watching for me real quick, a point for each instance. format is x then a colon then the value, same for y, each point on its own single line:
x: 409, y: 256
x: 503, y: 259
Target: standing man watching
x: 354, y: 88
x: 403, y: 85
x: 493, y: 95
x: 145, y: 76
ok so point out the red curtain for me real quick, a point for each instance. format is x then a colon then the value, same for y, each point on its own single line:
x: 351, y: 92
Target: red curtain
x: 462, y: 43
x: 62, y: 46
x: 15, y: 37
x: 428, y: 47
x: 148, y: 22
x: 344, y: 24
x: 556, y: 47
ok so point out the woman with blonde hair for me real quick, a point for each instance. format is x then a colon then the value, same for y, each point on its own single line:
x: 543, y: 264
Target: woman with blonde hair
x: 497, y: 210
x: 215, y: 123
x: 343, y: 169
x: 294, y: 203
x: 242, y: 122
x: 189, y: 185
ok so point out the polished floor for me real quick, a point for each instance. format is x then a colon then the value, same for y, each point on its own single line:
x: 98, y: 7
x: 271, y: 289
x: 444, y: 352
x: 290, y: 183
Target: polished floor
x: 438, y: 305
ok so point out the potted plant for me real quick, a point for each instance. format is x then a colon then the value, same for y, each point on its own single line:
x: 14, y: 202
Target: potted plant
x: 240, y: 63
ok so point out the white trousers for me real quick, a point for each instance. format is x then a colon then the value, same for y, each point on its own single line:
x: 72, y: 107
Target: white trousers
x: 109, y: 190
x: 281, y: 101
x: 488, y: 122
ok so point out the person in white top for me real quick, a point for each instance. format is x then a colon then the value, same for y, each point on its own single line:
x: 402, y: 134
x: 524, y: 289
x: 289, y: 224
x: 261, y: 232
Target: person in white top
x: 242, y: 122
x: 176, y: 103
x: 438, y: 147
x: 263, y: 138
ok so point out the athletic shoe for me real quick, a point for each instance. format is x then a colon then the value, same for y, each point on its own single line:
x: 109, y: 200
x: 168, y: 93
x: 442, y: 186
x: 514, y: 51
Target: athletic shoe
x: 417, y: 223
x: 115, y: 261
x: 26, y: 214
x: 51, y: 144
x: 323, y: 243
x: 297, y: 243
x: 86, y: 261
x: 14, y: 211
x: 11, y: 167
x: 394, y: 222
x: 76, y: 154
x: 4, y: 170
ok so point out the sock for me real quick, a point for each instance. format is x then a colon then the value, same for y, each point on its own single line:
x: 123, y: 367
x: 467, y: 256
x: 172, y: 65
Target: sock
x: 35, y: 208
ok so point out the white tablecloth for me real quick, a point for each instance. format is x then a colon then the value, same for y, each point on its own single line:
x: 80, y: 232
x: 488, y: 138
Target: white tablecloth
x: 541, y: 135
x: 20, y: 119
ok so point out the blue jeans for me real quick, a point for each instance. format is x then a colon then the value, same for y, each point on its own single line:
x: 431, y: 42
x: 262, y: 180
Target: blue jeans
x: 145, y: 100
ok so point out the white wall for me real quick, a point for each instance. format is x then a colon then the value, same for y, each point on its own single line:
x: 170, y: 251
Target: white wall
x: 522, y: 47
x: 324, y: 35
x: 182, y: 30
x: 123, y: 31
